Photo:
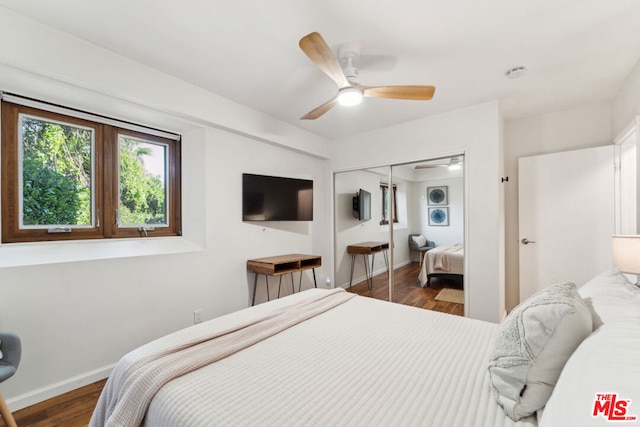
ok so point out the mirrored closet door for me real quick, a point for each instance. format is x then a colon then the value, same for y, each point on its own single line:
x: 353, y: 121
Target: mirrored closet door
x: 417, y: 206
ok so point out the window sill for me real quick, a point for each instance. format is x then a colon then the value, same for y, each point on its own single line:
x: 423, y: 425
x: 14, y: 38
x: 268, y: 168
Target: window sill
x: 25, y: 254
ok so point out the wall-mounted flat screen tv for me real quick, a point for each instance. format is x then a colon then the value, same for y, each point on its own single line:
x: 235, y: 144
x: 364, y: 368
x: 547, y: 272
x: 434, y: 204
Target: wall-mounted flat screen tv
x: 273, y: 198
x: 362, y: 205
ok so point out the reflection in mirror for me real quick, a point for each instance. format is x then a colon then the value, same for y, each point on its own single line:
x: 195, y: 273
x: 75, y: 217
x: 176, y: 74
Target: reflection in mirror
x: 357, y: 193
x: 405, y: 204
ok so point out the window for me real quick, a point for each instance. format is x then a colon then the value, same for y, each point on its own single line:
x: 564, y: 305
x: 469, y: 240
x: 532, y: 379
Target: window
x: 69, y: 176
x: 384, y: 192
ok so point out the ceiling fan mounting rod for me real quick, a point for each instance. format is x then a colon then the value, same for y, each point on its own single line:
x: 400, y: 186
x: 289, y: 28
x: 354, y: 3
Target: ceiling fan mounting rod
x: 350, y: 72
x: 349, y: 50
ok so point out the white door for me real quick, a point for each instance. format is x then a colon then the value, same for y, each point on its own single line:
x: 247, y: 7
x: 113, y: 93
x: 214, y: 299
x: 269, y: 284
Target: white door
x: 566, y: 217
x: 628, y: 180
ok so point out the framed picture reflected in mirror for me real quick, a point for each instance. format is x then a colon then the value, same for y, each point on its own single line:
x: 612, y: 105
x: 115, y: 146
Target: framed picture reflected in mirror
x: 438, y: 216
x: 437, y: 196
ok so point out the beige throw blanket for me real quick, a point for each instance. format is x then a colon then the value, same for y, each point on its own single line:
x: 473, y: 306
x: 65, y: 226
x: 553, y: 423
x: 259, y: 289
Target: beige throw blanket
x: 140, y: 374
x: 442, y: 260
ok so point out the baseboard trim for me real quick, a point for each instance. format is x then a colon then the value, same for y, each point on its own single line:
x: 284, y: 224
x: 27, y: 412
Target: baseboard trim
x: 44, y: 393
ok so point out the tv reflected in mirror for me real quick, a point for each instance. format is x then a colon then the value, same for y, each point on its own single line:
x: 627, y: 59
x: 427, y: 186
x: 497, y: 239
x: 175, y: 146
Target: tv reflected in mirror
x: 273, y: 198
x: 362, y: 205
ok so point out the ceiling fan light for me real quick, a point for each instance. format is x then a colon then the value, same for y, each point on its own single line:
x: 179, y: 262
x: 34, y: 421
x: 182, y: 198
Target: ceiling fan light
x: 350, y: 96
x: 454, y: 164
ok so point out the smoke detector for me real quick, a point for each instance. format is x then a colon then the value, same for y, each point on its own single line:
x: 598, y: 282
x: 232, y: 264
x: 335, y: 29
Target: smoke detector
x: 516, y: 72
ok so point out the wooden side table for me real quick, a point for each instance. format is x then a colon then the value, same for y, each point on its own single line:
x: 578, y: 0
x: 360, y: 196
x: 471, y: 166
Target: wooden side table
x: 368, y: 248
x: 281, y: 265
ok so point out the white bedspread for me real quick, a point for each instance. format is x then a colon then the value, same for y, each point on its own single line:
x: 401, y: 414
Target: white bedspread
x: 365, y: 362
x: 442, y: 260
x: 141, y: 373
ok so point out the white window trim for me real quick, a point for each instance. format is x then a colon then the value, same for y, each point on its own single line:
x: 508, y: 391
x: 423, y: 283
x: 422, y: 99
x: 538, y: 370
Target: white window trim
x: 167, y: 188
x: 21, y: 225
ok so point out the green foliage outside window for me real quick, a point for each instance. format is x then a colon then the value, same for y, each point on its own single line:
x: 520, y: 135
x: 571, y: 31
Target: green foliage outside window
x: 56, y: 173
x: 57, y: 177
x: 49, y: 197
x: 142, y: 194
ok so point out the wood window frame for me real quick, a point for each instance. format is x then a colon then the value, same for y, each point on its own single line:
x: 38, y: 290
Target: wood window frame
x: 112, y: 197
x: 105, y: 176
x: 384, y: 188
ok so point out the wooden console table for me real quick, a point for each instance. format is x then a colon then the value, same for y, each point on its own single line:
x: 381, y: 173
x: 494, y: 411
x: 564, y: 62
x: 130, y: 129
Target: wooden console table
x: 281, y: 265
x: 368, y: 248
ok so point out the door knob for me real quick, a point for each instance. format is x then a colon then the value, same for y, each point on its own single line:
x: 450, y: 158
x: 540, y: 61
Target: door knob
x: 526, y: 241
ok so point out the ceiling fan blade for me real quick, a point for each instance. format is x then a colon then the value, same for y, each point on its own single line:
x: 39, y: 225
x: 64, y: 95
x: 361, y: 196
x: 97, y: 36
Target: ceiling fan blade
x: 418, y: 93
x: 318, y: 51
x: 430, y: 166
x: 317, y: 112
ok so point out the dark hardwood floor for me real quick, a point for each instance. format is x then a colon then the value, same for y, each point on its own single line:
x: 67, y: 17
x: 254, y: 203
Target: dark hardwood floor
x: 74, y: 409
x: 71, y: 409
x: 407, y: 290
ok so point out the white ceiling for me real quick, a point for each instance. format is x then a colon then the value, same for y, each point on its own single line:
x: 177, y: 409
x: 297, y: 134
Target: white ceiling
x: 577, y: 51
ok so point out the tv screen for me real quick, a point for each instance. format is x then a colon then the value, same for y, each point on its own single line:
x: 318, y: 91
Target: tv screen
x: 362, y: 205
x: 273, y: 198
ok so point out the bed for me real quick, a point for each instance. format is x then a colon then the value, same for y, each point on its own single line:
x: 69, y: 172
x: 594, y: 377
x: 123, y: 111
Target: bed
x: 442, y: 261
x: 354, y: 361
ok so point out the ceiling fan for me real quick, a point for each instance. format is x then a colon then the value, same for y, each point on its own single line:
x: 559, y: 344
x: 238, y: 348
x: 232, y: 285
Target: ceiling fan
x: 349, y: 91
x: 453, y: 164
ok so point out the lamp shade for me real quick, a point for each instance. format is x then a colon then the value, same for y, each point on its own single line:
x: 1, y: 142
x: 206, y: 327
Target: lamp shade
x: 626, y: 254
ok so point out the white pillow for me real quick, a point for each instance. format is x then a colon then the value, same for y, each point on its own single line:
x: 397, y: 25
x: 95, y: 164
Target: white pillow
x: 605, y: 363
x: 611, y: 297
x: 534, y: 342
x: 420, y: 240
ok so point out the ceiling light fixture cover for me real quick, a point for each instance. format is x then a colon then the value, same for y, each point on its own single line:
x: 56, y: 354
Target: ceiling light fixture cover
x: 350, y: 96
x: 516, y: 72
x: 454, y: 164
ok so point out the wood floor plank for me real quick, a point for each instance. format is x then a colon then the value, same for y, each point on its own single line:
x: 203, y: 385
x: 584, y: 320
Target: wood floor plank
x: 74, y: 409
x: 407, y: 290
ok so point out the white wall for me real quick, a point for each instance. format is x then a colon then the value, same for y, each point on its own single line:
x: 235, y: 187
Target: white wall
x: 442, y: 235
x: 440, y: 136
x: 626, y: 104
x: 78, y: 307
x: 584, y: 127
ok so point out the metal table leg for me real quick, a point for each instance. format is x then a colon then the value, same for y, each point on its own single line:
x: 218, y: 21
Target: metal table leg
x: 366, y: 271
x: 255, y: 283
x: 279, y: 284
x: 373, y: 260
x: 386, y: 261
x: 266, y: 280
x: 353, y: 256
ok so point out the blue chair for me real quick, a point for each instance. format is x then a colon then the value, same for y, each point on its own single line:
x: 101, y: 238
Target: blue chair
x: 11, y: 349
x: 418, y: 243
